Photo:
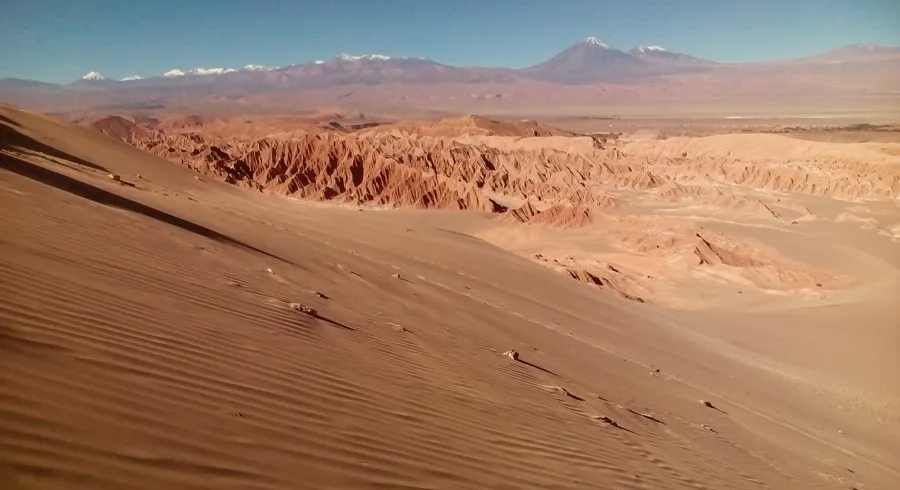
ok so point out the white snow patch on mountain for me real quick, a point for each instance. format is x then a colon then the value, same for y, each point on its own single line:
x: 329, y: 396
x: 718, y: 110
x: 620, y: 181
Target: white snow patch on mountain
x: 644, y: 49
x: 371, y: 57
x: 211, y: 71
x: 593, y: 41
x: 174, y: 73
x: 259, y: 68
x: 93, y: 76
x: 132, y: 77
x: 319, y: 62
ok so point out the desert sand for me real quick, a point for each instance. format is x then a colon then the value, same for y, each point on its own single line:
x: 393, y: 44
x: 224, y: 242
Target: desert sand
x: 185, y: 305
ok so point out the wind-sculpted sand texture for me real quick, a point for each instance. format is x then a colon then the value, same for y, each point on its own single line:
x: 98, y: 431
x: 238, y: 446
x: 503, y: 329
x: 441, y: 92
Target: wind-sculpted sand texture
x: 163, y: 331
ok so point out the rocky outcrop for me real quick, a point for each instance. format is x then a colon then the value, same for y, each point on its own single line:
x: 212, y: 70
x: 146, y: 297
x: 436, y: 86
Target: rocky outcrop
x: 380, y: 169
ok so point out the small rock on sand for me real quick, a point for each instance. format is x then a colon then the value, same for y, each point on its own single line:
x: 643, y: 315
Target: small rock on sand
x: 115, y: 177
x: 512, y: 355
x: 606, y: 420
x: 304, y: 309
x: 707, y: 404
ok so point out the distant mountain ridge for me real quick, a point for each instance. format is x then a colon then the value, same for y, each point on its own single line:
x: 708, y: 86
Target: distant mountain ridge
x: 588, y: 61
x: 860, y: 68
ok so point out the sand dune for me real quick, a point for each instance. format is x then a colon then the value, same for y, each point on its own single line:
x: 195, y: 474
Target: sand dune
x: 559, y: 216
x: 153, y: 331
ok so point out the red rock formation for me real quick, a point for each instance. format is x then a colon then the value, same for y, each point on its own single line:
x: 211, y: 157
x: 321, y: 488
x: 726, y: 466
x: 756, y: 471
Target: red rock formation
x: 378, y: 169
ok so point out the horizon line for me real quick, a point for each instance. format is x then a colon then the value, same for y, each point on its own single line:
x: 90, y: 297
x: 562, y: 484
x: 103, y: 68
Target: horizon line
x: 342, y: 55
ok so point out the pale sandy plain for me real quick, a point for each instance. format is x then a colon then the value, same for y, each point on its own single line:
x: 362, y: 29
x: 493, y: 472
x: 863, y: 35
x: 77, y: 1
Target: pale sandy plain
x: 151, y: 333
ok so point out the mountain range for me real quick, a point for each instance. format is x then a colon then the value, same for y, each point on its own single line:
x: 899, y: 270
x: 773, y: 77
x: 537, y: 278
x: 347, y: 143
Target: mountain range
x: 589, y: 63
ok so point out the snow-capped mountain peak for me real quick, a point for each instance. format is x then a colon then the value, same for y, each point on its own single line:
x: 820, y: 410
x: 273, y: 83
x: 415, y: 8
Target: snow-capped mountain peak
x: 198, y: 71
x: 593, y: 41
x: 319, y: 62
x: 371, y: 57
x: 211, y: 71
x: 259, y: 68
x: 96, y: 76
x: 132, y: 78
x: 662, y: 57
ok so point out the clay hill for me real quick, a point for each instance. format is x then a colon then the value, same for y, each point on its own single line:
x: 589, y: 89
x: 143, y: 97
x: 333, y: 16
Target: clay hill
x: 475, y: 155
x: 404, y: 309
x: 376, y: 167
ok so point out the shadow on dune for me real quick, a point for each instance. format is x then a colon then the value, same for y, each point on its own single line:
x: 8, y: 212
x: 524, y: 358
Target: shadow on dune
x: 87, y: 191
x: 12, y: 139
x: 334, y: 323
x: 539, y: 368
x: 626, y: 429
x: 9, y: 121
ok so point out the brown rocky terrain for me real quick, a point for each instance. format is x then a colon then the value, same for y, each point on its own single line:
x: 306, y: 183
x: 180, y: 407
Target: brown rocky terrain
x: 376, y: 168
x: 535, y: 175
x: 472, y: 125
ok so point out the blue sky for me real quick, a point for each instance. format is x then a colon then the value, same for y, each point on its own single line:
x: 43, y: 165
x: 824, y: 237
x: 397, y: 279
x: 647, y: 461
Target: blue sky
x: 59, y: 40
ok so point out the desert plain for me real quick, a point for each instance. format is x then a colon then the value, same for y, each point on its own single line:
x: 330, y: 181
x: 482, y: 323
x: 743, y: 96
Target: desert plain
x: 323, y: 301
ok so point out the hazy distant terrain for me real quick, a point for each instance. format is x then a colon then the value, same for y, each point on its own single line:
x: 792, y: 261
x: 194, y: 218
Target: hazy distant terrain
x: 588, y: 78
